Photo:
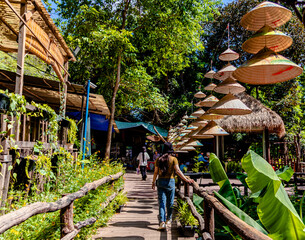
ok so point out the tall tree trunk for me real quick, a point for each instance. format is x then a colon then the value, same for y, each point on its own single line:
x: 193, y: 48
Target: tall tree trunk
x: 116, y: 87
x: 112, y: 107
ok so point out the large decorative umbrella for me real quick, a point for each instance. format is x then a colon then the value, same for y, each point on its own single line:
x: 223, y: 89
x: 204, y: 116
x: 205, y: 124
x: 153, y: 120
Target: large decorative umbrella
x: 213, y: 129
x: 198, y: 113
x: 229, y: 85
x: 267, y: 67
x: 230, y: 105
x: 209, y: 74
x: 267, y: 37
x: 266, y: 13
x: 209, y: 101
x: 225, y: 72
x: 228, y: 55
x: 210, y: 116
x: 199, y: 95
x: 210, y: 87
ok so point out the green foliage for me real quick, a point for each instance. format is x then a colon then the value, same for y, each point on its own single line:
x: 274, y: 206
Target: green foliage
x: 70, y: 178
x: 155, y: 40
x: 72, y: 130
x: 275, y: 210
x: 184, y: 214
x: 233, y: 167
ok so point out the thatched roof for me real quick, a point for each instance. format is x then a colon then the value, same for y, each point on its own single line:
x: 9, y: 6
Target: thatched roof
x: 261, y: 118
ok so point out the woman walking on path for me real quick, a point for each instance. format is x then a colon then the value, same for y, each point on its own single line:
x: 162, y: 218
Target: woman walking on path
x: 165, y: 168
x: 143, y: 157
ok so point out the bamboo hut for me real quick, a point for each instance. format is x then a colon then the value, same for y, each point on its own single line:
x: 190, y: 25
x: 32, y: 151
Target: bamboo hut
x: 261, y: 120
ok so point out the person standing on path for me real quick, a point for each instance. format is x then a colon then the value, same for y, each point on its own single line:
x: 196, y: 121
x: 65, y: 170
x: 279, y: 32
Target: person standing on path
x: 143, y: 157
x: 165, y: 168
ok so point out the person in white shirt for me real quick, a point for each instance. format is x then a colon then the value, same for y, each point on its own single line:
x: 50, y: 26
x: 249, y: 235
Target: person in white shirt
x: 143, y: 157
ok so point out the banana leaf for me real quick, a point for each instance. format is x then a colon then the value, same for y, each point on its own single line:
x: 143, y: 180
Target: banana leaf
x: 285, y: 173
x: 274, y: 209
x: 198, y: 203
x: 240, y: 213
x: 219, y: 176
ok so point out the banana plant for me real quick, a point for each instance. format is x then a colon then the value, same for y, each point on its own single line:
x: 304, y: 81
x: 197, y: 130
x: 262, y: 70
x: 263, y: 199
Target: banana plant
x: 274, y: 209
x: 230, y: 198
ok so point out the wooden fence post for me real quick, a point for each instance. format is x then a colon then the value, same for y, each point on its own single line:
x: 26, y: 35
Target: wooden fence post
x: 66, y: 219
x: 186, y: 189
x: 6, y: 162
x: 209, y: 218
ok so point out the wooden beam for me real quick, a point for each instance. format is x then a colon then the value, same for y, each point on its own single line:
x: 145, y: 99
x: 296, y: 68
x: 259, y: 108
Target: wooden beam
x: 34, y: 34
x: 21, y: 52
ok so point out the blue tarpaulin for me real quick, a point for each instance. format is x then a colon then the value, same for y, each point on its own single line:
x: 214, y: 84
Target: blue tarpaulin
x: 147, y: 126
x: 99, y: 122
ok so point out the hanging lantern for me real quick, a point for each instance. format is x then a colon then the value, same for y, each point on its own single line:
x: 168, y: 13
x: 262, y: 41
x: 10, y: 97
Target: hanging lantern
x: 267, y: 37
x: 229, y: 85
x: 198, y: 113
x: 225, y: 72
x: 266, y: 13
x: 209, y: 101
x: 229, y: 55
x: 213, y: 129
x: 230, y: 105
x: 267, y: 67
x: 210, y: 87
x: 199, y: 95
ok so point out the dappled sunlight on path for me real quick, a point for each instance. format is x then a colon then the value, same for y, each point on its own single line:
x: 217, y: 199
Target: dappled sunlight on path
x: 139, y: 218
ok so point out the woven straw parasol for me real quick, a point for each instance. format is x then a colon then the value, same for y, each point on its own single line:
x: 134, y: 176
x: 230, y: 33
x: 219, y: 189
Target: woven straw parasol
x: 188, y: 148
x: 192, y: 118
x: 266, y: 13
x: 186, y: 131
x: 185, y: 116
x: 225, y: 72
x: 228, y: 55
x: 267, y: 37
x: 193, y: 143
x: 213, y: 129
x: 267, y: 67
x: 184, y: 121
x: 209, y: 74
x: 201, y: 123
x: 199, y: 95
x: 191, y: 127
x: 210, y: 116
x: 229, y: 85
x: 198, y: 113
x: 230, y: 105
x: 210, y: 87
x: 196, y: 136
x: 209, y: 101
x: 199, y: 104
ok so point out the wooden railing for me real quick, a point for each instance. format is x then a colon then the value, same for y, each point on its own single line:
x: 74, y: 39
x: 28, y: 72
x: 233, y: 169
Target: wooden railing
x: 65, y: 205
x: 211, y: 206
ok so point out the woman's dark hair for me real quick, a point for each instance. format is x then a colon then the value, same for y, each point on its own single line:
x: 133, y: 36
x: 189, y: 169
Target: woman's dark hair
x: 163, y: 164
x: 164, y: 159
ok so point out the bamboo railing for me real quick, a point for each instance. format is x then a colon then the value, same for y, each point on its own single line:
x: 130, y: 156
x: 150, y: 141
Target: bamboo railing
x: 211, y: 206
x: 65, y: 205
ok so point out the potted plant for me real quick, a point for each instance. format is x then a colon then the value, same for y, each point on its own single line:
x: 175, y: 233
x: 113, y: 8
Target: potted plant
x: 187, y: 221
x: 120, y: 201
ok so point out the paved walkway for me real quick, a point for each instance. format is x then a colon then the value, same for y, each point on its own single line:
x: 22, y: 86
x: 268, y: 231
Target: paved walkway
x: 138, y: 220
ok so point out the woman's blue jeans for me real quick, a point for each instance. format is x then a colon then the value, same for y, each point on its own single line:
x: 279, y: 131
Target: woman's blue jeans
x: 166, y: 195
